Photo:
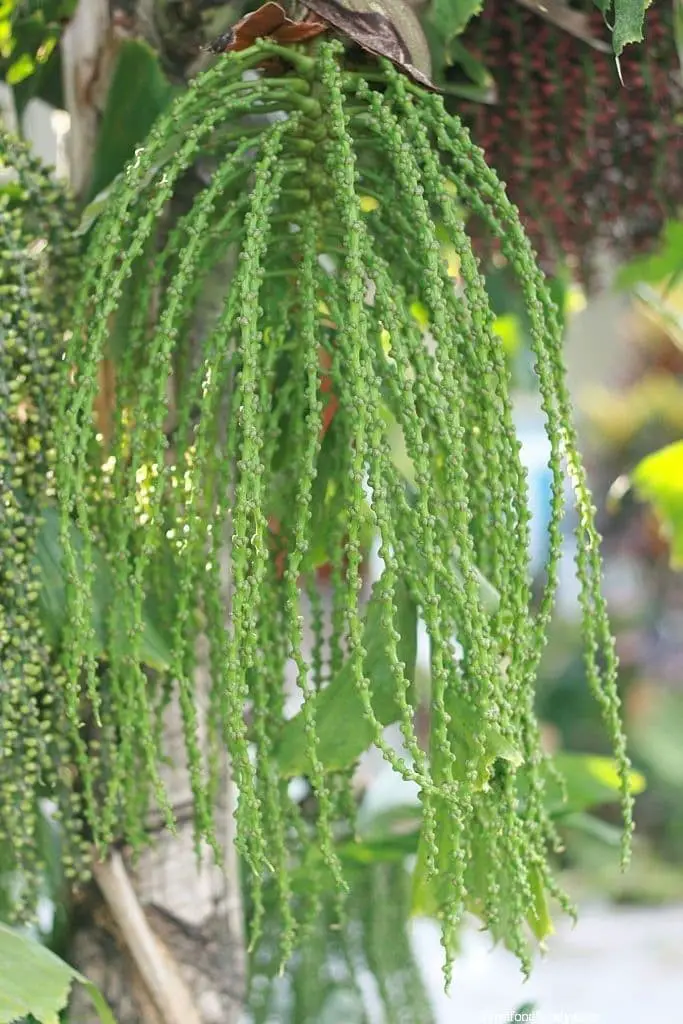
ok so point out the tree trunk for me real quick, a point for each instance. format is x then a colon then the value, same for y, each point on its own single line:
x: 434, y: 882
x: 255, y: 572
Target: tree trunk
x: 163, y: 938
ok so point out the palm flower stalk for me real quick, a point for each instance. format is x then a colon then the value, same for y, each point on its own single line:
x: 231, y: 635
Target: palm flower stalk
x: 279, y: 450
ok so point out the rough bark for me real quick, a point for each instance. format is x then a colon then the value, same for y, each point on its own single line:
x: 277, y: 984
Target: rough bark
x: 162, y: 938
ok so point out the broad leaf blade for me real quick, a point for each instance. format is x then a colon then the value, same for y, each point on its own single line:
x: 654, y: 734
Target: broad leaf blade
x: 629, y: 17
x: 138, y: 93
x: 34, y: 981
x: 589, y: 781
x: 450, y: 17
x: 341, y: 727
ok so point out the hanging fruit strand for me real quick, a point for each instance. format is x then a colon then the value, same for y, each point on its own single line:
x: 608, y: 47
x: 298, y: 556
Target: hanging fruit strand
x: 296, y: 329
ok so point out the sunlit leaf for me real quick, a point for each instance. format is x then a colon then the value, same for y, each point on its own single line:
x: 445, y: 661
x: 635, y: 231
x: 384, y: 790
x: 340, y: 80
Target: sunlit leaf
x: 594, y: 828
x: 375, y: 851
x: 656, y: 736
x: 452, y: 259
x: 659, y: 480
x: 368, y: 204
x: 21, y: 69
x: 508, y: 329
x: 589, y: 781
x: 420, y: 314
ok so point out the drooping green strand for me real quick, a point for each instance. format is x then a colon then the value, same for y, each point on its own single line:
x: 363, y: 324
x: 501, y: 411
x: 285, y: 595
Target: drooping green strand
x: 308, y: 449
x: 350, y: 376
x: 265, y: 681
x: 508, y: 502
x: 477, y: 193
x: 249, y: 543
x: 318, y: 660
x: 473, y: 627
x: 190, y: 558
x: 530, y: 732
x: 388, y: 499
x: 504, y: 223
x: 599, y: 644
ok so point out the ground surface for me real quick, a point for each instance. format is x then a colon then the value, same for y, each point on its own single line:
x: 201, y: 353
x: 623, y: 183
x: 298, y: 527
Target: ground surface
x: 617, y: 966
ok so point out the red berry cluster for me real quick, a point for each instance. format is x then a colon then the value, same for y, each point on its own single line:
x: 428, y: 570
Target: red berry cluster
x: 591, y: 163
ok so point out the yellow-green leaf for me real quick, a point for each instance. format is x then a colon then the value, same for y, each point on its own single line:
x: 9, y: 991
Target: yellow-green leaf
x: 589, y: 780
x: 420, y: 314
x: 450, y: 255
x: 659, y: 480
x: 508, y: 329
x: 368, y: 204
x: 22, y: 68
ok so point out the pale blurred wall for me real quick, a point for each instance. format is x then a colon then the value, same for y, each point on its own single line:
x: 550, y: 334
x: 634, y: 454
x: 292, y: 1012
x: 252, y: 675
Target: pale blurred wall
x: 597, y: 346
x: 43, y: 126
